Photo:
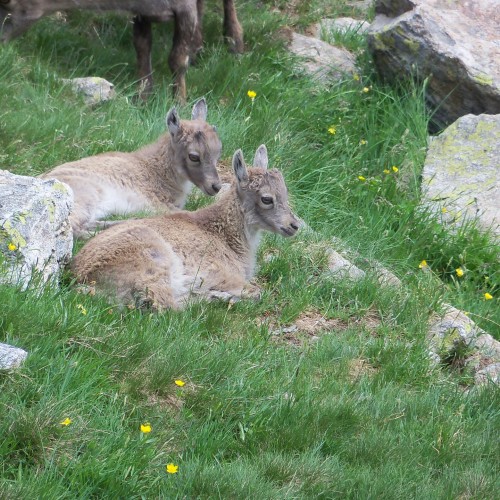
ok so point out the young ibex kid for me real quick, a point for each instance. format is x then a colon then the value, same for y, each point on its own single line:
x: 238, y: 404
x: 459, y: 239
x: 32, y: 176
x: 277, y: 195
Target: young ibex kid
x: 157, y: 177
x: 210, y: 252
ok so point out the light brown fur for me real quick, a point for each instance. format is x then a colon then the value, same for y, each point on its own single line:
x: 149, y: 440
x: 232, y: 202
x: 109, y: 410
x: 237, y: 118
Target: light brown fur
x: 157, y: 177
x: 210, y: 252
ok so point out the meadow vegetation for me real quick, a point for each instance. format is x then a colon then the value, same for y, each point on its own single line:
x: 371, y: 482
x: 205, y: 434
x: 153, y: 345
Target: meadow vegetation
x: 238, y: 410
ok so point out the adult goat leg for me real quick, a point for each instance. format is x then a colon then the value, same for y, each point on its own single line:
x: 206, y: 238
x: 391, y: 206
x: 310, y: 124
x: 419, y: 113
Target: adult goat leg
x: 233, y: 32
x: 143, y: 39
x: 185, y: 25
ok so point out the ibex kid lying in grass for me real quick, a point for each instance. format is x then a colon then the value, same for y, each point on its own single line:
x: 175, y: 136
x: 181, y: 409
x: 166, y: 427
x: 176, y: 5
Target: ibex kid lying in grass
x: 211, y: 252
x: 157, y: 177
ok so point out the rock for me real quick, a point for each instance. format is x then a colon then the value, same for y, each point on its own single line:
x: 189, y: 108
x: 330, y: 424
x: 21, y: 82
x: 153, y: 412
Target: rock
x: 489, y: 374
x: 362, y: 5
x: 453, y: 43
x: 35, y: 233
x: 461, y: 170
x: 451, y: 333
x: 342, y: 25
x: 342, y: 268
x: 94, y: 89
x: 11, y: 357
x: 320, y: 59
x: 487, y: 346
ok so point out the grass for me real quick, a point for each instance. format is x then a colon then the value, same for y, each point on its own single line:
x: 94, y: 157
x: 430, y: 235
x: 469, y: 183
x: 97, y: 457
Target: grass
x: 357, y: 412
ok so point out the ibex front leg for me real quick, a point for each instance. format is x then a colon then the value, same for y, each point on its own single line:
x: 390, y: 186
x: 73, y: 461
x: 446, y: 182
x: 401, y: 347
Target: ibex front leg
x: 143, y: 40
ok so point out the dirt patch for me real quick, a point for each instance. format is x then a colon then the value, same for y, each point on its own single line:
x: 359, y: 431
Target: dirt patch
x: 167, y: 402
x: 358, y: 367
x: 311, y: 324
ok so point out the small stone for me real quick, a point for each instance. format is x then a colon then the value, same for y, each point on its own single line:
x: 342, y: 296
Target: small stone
x: 94, y: 89
x: 488, y: 346
x: 489, y: 374
x: 342, y: 268
x: 323, y: 61
x: 11, y: 357
x: 342, y: 25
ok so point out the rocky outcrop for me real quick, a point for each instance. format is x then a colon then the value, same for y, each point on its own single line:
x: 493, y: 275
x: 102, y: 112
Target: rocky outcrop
x: 35, y: 234
x: 461, y: 171
x: 11, y: 357
x: 455, y: 44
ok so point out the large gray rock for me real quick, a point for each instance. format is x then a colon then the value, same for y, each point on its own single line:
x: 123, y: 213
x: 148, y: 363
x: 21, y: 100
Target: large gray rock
x: 462, y: 170
x: 11, y: 357
x: 35, y: 233
x: 322, y: 60
x: 455, y: 43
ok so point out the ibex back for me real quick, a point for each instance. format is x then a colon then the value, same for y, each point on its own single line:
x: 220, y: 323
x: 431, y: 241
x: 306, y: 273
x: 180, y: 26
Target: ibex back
x: 157, y: 177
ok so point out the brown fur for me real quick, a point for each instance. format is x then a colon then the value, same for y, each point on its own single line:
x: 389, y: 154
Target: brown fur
x: 209, y: 252
x: 157, y: 177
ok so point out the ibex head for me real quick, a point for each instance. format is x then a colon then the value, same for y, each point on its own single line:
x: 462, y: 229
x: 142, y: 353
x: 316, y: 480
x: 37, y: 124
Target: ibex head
x: 263, y: 195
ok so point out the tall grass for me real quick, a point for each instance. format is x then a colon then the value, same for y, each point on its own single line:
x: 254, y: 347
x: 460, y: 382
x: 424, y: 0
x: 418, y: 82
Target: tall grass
x: 353, y: 412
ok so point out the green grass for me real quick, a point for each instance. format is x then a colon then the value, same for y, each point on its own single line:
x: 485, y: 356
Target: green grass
x: 259, y: 416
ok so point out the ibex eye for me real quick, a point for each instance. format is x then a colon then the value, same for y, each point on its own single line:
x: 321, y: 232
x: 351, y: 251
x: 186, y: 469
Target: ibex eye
x: 267, y: 200
x: 194, y: 158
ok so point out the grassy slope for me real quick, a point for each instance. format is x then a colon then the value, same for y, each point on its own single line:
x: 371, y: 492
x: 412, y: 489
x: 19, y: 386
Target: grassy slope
x: 257, y: 417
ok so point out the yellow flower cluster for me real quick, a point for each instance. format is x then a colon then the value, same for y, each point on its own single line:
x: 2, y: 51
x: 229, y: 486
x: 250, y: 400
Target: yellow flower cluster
x: 460, y: 272
x: 332, y: 130
x: 12, y: 247
x: 488, y: 296
x: 252, y: 94
x: 81, y: 309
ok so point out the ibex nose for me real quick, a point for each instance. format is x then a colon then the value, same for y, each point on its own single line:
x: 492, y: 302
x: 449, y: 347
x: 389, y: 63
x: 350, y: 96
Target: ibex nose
x: 216, y: 187
x: 295, y: 226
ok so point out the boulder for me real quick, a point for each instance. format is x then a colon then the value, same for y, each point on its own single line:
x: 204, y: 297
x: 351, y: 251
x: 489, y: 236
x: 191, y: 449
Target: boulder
x: 323, y: 61
x: 461, y: 170
x: 93, y: 89
x: 11, y: 357
x: 455, y: 44
x: 35, y: 233
x: 490, y: 374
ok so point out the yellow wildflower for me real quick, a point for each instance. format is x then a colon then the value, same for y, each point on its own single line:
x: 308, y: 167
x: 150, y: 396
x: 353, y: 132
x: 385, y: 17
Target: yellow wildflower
x: 460, y: 272
x: 332, y: 130
x: 362, y: 142
x: 180, y: 383
x: 65, y: 422
x: 172, y: 468
x: 423, y: 264
x: 81, y: 309
x: 361, y: 178
x: 12, y: 247
x: 366, y: 90
x: 444, y: 210
x: 356, y: 77
x: 395, y: 169
x: 146, y: 428
x: 387, y: 171
x: 252, y: 94
x: 488, y: 296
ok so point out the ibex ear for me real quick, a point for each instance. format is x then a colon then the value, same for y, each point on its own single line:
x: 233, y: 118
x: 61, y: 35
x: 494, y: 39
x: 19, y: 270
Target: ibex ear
x: 173, y: 121
x: 199, y: 110
x: 239, y: 167
x: 260, y: 159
